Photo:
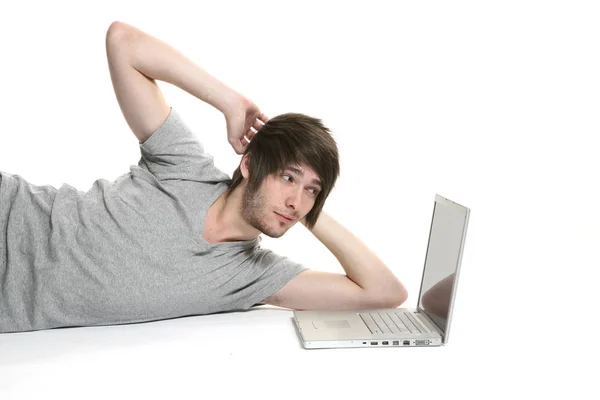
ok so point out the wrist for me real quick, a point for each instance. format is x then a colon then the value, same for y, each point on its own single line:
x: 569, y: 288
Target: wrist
x: 231, y: 102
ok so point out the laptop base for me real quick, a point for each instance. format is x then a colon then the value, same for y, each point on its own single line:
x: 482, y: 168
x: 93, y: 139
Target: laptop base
x: 365, y: 339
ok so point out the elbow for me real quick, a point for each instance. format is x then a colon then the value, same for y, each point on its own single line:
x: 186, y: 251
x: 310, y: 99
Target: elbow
x: 403, y: 298
x: 113, y: 29
x: 389, y: 298
x: 396, y: 293
x: 398, y: 296
x: 118, y: 31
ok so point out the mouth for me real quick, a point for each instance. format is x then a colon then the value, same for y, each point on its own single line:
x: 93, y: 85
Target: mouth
x: 284, y: 218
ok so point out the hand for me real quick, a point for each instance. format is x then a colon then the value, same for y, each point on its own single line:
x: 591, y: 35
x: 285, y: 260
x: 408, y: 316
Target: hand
x: 240, y: 118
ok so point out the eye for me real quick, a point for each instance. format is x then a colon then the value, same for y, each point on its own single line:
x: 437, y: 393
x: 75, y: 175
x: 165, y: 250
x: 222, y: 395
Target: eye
x: 314, y: 191
x: 287, y: 176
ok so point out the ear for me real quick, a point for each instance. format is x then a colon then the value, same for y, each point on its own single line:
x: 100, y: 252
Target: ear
x: 244, y: 166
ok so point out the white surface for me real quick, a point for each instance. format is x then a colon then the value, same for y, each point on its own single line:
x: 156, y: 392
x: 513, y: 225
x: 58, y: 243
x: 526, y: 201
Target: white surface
x: 493, y: 106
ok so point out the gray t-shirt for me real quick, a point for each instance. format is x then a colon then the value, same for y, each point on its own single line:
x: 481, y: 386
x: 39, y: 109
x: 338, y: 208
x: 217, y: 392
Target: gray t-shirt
x: 129, y: 250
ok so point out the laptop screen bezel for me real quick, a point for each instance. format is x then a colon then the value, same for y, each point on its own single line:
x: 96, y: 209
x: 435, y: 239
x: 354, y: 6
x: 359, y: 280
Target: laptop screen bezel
x: 440, y: 200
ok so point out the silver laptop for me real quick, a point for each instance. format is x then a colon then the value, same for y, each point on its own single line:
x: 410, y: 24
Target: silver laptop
x: 428, y: 324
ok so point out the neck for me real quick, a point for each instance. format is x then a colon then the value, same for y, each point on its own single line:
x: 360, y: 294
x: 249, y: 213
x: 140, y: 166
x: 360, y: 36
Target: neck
x: 224, y: 221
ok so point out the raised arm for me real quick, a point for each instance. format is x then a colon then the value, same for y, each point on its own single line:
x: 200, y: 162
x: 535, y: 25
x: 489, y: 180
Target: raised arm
x: 136, y: 59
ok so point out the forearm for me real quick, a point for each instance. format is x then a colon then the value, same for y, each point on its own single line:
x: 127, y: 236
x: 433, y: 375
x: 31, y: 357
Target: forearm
x: 160, y: 61
x: 361, y: 264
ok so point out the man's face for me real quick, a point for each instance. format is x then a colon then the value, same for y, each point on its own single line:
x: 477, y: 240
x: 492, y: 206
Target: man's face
x: 290, y: 193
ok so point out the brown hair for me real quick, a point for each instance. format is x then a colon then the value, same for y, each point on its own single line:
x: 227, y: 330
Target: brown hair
x: 287, y: 140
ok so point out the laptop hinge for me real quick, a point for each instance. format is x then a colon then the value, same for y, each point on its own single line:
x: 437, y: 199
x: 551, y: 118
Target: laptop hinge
x: 431, y: 321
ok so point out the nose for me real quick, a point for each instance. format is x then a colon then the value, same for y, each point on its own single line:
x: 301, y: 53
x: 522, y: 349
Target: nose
x: 294, y: 198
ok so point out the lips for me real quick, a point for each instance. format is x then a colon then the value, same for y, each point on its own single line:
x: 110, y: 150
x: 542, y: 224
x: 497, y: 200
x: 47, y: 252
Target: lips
x: 290, y: 219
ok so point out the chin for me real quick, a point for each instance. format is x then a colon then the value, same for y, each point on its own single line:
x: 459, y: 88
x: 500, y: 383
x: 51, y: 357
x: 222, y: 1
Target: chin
x: 274, y: 233
x: 277, y: 236
x: 269, y: 231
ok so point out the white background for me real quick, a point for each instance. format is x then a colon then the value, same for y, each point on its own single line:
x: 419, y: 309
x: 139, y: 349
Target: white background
x: 494, y: 106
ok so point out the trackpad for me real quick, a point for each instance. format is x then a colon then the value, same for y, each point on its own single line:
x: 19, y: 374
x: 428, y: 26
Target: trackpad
x: 331, y: 324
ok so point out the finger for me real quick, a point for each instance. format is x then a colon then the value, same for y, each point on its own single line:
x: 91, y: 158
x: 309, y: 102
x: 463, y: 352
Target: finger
x: 250, y: 134
x: 257, y: 125
x: 263, y: 117
x: 238, y: 146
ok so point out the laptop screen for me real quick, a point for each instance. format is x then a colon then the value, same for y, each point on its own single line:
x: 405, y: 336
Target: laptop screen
x: 442, y: 261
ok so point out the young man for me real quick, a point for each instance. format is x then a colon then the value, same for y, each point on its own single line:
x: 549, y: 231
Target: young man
x: 176, y: 236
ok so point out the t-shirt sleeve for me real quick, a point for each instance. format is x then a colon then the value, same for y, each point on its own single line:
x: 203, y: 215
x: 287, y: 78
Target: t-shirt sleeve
x: 173, y: 151
x: 270, y: 272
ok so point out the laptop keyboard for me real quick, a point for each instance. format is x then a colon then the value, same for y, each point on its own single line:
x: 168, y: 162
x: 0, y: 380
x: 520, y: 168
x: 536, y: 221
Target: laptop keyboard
x: 394, y: 322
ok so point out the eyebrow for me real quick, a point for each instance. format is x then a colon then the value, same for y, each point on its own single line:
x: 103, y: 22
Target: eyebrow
x: 298, y: 171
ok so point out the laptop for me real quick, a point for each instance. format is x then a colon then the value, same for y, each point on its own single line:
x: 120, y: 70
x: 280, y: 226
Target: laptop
x: 428, y: 324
